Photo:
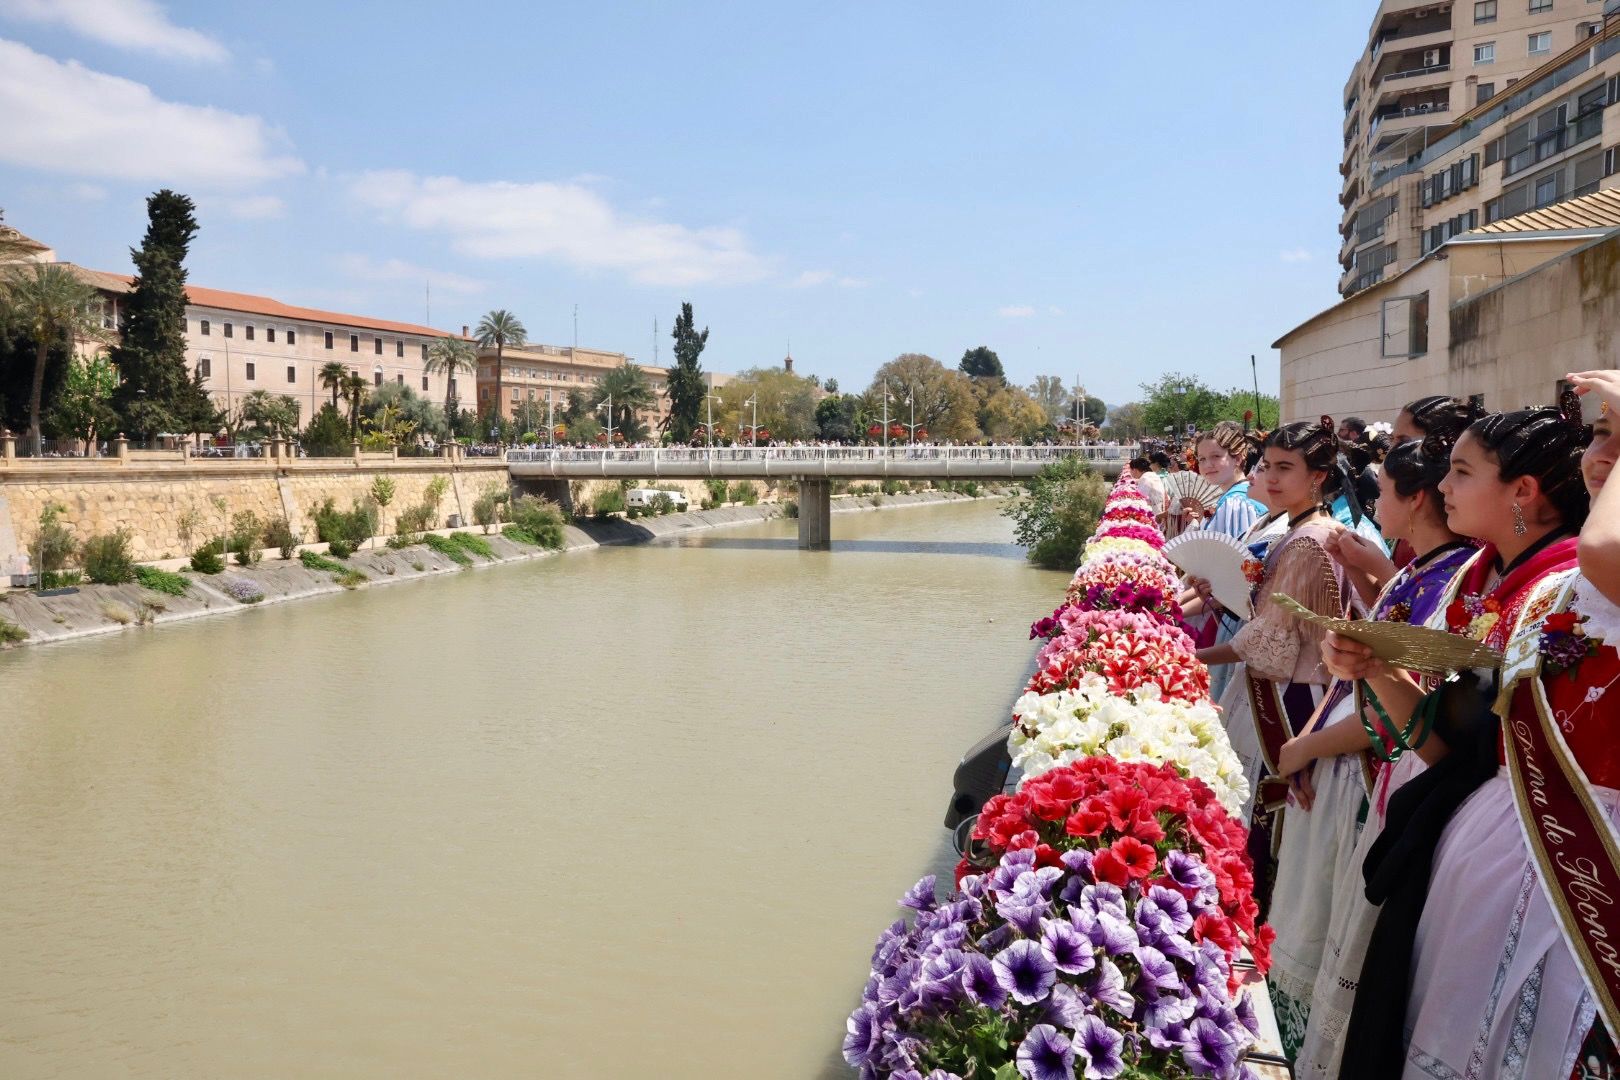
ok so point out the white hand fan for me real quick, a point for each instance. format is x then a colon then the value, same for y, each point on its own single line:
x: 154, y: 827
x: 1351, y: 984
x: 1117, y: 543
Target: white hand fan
x: 1190, y: 486
x: 1218, y: 559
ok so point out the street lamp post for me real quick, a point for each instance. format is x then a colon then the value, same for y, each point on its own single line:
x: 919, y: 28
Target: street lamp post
x: 551, y: 422
x: 708, y: 403
x: 753, y: 428
x: 607, y: 404
x: 1079, y: 410
x: 885, y: 417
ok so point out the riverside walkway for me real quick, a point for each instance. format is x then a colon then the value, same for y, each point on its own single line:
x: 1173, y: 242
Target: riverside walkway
x: 812, y: 467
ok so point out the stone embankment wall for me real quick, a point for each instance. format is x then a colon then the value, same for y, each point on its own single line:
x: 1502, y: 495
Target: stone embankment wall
x: 149, y: 495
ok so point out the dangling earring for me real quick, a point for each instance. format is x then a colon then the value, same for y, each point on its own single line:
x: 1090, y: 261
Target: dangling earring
x: 1316, y: 492
x: 1518, y: 520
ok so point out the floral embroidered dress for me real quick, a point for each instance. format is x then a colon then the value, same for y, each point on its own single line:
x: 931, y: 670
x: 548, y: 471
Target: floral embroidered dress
x: 1318, y: 865
x: 1235, y: 514
x: 1495, y: 990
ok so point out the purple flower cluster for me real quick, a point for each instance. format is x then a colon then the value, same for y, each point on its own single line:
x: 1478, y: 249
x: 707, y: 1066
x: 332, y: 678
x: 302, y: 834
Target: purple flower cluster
x: 1047, y: 627
x: 243, y: 591
x: 1056, y: 972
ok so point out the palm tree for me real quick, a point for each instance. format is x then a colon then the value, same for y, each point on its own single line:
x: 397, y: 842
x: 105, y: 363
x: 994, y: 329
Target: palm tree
x: 332, y: 376
x: 632, y: 393
x: 447, y: 357
x: 355, y: 388
x: 53, y: 307
x: 500, y: 328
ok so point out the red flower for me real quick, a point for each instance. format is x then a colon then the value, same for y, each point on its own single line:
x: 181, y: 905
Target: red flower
x: 1024, y: 840
x: 1456, y: 616
x: 1110, y: 868
x: 1045, y: 855
x: 1562, y: 623
x: 1066, y: 785
x: 1048, y: 807
x: 1138, y: 858
x: 1145, y: 827
x: 1086, y: 822
x: 1209, y: 927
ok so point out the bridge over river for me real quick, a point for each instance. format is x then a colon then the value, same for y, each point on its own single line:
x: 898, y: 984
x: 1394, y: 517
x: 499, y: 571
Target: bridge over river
x: 813, y: 468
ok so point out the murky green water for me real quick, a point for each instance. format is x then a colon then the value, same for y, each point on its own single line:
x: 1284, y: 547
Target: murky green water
x: 625, y: 813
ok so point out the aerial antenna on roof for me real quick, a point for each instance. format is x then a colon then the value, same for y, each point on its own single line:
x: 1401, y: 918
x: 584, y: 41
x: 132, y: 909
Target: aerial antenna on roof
x: 427, y: 303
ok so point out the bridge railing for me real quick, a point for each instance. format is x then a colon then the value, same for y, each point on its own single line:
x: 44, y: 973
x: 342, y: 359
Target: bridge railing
x: 808, y: 454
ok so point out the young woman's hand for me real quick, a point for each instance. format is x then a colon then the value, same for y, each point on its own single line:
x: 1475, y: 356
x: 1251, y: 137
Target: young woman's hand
x: 1347, y: 659
x: 1354, y: 551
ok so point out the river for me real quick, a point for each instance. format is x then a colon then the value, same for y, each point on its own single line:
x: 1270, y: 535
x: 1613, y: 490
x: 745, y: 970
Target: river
x: 636, y: 812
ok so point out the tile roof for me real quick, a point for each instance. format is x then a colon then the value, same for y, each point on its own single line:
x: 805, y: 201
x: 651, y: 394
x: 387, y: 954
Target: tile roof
x: 1599, y: 210
x: 249, y: 304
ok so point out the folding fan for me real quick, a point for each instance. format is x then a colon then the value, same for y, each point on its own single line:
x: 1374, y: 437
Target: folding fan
x: 1218, y: 559
x: 1415, y: 648
x: 1190, y: 486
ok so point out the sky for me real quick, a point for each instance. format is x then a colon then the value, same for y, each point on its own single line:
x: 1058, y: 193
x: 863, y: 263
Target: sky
x: 1104, y: 192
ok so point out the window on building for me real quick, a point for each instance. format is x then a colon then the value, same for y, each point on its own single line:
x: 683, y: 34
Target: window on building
x: 228, y: 330
x: 376, y: 376
x: 1547, y: 190
x: 270, y: 334
x: 1541, y: 44
x: 424, y: 350
x: 328, y: 339
x: 1406, y: 326
x: 514, y: 393
x: 399, y: 348
x: 1611, y: 161
x: 452, y: 386
x: 292, y: 337
x: 1485, y: 12
x: 354, y: 342
x: 292, y: 374
x: 247, y: 331
x: 400, y: 378
x: 250, y: 372
x: 1540, y: 7
x: 1588, y: 29
x: 424, y: 384
x: 376, y: 346
x: 205, y: 366
x: 1484, y: 92
x: 1485, y: 52
x: 1593, y: 100
x: 202, y: 328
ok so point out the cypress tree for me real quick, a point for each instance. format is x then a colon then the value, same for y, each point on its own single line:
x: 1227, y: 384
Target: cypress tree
x: 157, y: 393
x: 685, y: 386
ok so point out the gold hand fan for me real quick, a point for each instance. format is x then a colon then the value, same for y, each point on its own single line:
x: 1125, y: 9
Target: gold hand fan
x: 1402, y: 645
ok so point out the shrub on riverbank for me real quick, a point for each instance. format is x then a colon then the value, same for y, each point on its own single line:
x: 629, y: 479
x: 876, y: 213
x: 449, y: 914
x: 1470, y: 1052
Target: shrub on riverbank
x: 460, y: 547
x: 106, y: 559
x: 745, y: 492
x: 11, y: 633
x: 246, y: 530
x: 53, y: 543
x: 162, y: 581
x: 278, y: 533
x: 345, y: 530
x: 608, y: 501
x: 209, y: 558
x: 1057, y: 512
x: 315, y: 561
x: 538, y: 519
x: 350, y: 579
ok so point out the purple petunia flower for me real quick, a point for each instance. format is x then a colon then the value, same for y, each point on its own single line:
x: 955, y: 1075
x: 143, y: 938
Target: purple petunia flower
x: 1105, y: 897
x: 1157, y: 970
x: 1187, y: 871
x: 1069, y: 951
x: 1066, y: 1007
x: 1113, y: 934
x: 920, y: 897
x: 1172, y: 906
x: 1108, y: 987
x: 1046, y: 1054
x: 1023, y: 912
x: 1208, y: 1049
x: 863, y: 1037
x: 1099, y: 1046
x: 1024, y: 973
x: 1078, y: 863
x: 1245, y: 1014
x: 979, y: 980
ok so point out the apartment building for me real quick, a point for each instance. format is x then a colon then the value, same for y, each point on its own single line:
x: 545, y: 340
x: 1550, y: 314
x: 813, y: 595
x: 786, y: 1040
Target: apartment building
x: 1430, y: 72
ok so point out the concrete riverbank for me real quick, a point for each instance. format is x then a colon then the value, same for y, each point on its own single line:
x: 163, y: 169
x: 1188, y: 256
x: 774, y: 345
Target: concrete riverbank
x: 88, y: 610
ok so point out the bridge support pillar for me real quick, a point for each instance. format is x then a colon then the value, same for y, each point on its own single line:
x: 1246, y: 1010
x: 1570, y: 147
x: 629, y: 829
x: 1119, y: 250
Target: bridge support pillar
x: 815, y: 515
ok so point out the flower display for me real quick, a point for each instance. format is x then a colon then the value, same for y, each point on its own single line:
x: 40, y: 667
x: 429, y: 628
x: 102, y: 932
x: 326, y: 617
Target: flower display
x: 1088, y: 721
x: 1050, y: 969
x: 243, y: 591
x: 1102, y: 903
x: 1564, y: 642
x: 1473, y: 616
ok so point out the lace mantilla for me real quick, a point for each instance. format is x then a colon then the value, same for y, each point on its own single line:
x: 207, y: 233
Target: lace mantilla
x: 1602, y: 616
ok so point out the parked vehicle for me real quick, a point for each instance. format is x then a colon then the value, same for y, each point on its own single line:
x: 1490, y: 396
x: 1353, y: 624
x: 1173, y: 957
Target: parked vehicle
x: 643, y: 497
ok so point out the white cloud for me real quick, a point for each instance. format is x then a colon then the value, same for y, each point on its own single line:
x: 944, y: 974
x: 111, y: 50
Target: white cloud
x: 1015, y: 311
x: 563, y: 221
x: 364, y: 266
x: 914, y: 293
x: 1054, y: 310
x: 245, y: 207
x: 138, y: 25
x: 1295, y: 255
x: 63, y: 117
x: 811, y: 278
x: 87, y: 192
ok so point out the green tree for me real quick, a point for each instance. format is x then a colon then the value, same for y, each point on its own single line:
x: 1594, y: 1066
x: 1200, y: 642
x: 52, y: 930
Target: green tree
x: 836, y: 418
x: 982, y: 363
x: 630, y: 392
x: 424, y: 417
x: 1177, y: 400
x: 328, y: 434
x: 831, y: 386
x: 1237, y: 401
x: 262, y: 415
x: 333, y: 375
x: 355, y: 389
x: 1052, y: 396
x: 53, y: 307
x: 685, y: 386
x: 944, y: 399
x: 451, y: 356
x: 156, y: 393
x: 499, y: 329
x: 84, y: 405
x: 1058, y: 512
x: 1128, y: 421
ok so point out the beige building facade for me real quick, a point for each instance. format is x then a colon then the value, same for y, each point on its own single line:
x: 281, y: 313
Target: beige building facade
x: 541, y: 373
x: 1459, y: 114
x: 1499, y: 315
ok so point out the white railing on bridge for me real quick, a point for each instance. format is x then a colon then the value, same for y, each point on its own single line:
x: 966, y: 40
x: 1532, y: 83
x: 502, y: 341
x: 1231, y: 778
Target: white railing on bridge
x: 771, y: 455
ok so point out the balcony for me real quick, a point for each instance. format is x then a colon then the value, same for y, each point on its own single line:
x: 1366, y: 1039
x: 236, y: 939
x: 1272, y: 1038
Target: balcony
x: 1404, y: 77
x: 1554, y: 142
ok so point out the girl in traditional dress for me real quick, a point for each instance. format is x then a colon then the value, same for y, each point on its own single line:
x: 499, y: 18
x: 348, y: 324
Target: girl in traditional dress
x: 1223, y: 460
x: 1284, y: 679
x: 1332, y: 774
x: 1466, y: 974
